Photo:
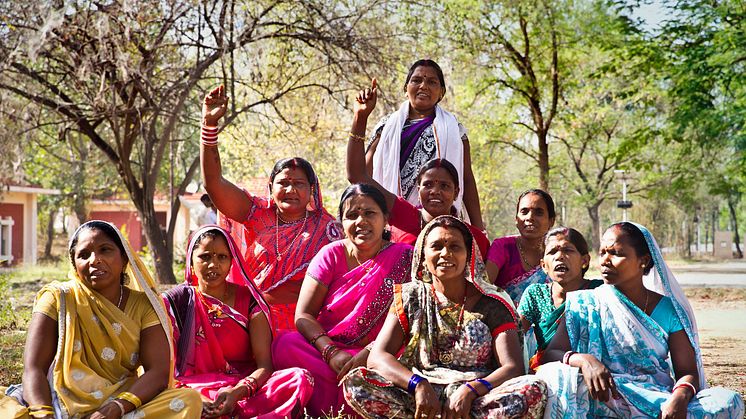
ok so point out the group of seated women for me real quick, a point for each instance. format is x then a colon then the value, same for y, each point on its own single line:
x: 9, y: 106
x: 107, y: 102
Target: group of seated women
x: 399, y: 307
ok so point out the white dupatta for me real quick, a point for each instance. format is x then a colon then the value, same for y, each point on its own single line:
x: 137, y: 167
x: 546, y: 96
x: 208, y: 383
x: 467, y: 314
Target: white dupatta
x: 447, y: 140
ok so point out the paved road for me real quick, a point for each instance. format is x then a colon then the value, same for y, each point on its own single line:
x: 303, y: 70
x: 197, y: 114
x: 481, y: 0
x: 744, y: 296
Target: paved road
x: 722, y: 274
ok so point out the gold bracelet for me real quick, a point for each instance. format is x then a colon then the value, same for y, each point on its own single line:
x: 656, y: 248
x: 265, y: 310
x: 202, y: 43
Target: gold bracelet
x: 40, y: 407
x: 129, y: 397
x: 357, y: 136
x: 41, y: 413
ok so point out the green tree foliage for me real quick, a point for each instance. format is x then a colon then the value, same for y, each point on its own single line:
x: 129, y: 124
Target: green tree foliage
x: 123, y: 74
x: 706, y: 71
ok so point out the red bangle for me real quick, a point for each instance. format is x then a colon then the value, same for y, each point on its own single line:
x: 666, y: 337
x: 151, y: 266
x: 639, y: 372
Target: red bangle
x: 328, y: 352
x: 566, y: 357
x: 685, y: 384
x: 251, y: 385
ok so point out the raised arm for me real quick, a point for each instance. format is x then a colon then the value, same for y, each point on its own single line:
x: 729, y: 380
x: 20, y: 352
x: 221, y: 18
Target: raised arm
x: 227, y: 197
x: 365, y: 102
x: 41, y: 345
x: 471, y: 194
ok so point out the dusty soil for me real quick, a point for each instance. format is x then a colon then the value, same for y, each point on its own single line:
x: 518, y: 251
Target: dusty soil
x: 721, y: 320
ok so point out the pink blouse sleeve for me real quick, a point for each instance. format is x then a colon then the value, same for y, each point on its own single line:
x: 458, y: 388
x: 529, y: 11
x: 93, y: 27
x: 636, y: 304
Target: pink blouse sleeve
x: 323, y: 267
x: 498, y: 253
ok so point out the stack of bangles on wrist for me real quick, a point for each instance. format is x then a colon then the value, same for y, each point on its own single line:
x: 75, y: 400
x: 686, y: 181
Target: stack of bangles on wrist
x: 209, y: 136
x: 129, y: 397
x: 251, y: 384
x: 329, y: 351
x: 681, y: 384
x: 40, y: 410
x: 358, y: 137
x: 413, y: 381
x: 566, y: 357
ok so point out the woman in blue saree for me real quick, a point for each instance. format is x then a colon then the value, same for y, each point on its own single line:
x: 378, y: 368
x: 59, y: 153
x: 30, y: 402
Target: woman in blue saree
x: 630, y: 347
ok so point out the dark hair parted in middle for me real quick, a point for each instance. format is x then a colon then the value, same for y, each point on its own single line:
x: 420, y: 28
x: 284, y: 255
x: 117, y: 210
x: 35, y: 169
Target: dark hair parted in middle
x: 293, y: 162
x: 105, y: 228
x: 439, y: 164
x: 544, y: 196
x: 637, y: 240
x: 447, y: 221
x: 363, y: 189
x: 573, y: 236
x: 211, y: 233
x: 426, y: 63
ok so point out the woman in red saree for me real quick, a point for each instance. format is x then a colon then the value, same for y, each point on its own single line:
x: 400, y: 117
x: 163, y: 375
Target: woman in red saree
x: 276, y: 236
x: 223, y: 336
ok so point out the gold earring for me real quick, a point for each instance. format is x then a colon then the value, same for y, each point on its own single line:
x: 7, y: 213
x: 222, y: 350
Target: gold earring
x: 585, y: 266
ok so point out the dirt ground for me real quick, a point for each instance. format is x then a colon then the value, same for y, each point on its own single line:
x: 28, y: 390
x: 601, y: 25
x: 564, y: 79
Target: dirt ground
x: 721, y: 320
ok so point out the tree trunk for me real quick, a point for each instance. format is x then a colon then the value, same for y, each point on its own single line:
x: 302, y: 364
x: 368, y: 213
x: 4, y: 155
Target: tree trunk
x: 596, y: 227
x: 162, y: 255
x: 176, y: 204
x: 688, y: 240
x: 544, y: 161
x: 50, y: 234
x: 734, y: 220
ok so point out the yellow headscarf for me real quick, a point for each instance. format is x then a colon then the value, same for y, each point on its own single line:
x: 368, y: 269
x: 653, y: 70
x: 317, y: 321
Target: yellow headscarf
x: 97, y: 352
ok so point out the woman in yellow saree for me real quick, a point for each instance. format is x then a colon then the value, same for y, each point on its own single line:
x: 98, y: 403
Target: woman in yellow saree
x: 98, y: 345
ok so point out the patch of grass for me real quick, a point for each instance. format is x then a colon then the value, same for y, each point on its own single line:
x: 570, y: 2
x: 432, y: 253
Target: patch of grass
x: 11, y: 352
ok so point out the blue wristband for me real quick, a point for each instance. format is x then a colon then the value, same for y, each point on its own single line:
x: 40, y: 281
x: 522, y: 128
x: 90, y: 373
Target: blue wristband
x: 472, y: 389
x: 485, y: 383
x: 413, y: 381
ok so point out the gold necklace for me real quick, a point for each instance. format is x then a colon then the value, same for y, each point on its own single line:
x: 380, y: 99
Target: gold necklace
x: 368, y: 269
x: 121, y: 294
x: 446, y: 357
x: 520, y: 251
x: 277, y: 233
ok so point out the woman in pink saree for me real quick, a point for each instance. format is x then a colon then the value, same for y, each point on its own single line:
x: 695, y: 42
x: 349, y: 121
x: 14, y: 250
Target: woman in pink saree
x: 344, y: 299
x: 223, y: 336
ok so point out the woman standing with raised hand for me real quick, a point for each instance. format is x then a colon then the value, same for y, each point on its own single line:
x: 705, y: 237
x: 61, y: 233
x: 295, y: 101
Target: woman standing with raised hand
x: 277, y: 236
x: 437, y: 182
x: 419, y: 131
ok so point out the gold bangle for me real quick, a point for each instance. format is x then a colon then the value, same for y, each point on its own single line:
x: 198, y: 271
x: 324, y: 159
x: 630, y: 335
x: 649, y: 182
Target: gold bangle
x: 41, y: 413
x: 129, y: 397
x: 357, y: 136
x: 40, y: 407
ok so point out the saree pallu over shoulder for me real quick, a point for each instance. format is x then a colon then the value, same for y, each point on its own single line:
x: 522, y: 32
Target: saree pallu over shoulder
x: 214, y: 349
x: 355, y: 311
x: 440, y: 139
x: 276, y: 254
x: 97, y: 354
x: 259, y: 237
x: 516, y: 286
x: 634, y: 348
